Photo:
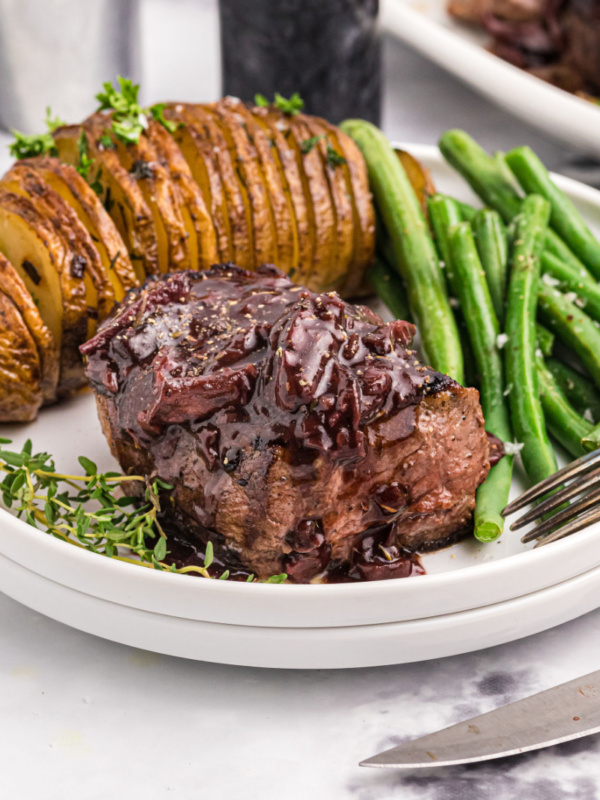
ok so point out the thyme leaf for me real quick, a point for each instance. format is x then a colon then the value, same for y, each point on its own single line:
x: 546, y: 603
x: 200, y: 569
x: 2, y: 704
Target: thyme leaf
x: 128, y: 117
x: 36, y: 144
x: 157, y: 112
x: 292, y: 105
x: 89, y: 511
x: 334, y: 159
x: 307, y: 145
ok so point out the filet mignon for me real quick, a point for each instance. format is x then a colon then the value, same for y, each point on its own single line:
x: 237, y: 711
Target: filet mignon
x: 301, y: 433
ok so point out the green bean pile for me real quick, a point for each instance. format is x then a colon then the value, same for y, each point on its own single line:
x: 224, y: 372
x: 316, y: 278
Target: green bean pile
x: 506, y: 299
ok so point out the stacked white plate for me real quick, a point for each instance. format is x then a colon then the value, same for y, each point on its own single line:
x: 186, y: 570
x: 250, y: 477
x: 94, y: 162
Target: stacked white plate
x: 473, y: 595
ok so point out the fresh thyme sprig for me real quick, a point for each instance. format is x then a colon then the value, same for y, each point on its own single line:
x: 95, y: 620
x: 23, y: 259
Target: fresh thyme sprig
x: 87, y: 511
x: 293, y: 105
x: 36, y: 144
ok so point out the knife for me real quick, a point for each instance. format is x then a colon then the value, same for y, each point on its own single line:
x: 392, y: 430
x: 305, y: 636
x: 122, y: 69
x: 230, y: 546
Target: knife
x: 560, y: 714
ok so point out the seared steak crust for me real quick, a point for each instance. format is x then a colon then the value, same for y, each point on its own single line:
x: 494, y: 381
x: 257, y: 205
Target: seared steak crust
x: 300, y: 433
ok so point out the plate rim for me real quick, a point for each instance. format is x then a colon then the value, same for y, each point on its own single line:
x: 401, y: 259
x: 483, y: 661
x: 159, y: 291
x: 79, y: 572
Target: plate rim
x: 318, y: 648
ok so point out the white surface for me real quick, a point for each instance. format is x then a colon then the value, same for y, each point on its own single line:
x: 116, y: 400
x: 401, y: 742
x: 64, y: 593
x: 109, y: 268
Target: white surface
x: 424, y: 25
x: 465, y: 576
x: 81, y: 717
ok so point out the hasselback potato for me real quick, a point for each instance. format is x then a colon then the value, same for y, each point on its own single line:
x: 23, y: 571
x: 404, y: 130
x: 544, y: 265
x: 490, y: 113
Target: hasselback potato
x: 114, y: 200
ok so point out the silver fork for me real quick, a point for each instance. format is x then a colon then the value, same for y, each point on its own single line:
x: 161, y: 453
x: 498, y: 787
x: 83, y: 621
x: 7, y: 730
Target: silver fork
x: 581, y: 477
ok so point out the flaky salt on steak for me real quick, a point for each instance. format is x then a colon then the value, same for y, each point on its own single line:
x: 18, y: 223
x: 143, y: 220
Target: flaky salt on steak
x: 300, y: 433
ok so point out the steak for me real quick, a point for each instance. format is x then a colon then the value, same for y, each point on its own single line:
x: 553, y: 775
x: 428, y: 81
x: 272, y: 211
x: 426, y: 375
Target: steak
x: 300, y: 433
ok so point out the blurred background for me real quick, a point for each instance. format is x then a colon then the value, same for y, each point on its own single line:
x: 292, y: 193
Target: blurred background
x: 53, y: 51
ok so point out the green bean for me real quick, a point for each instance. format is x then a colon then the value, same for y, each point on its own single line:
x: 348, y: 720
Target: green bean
x: 544, y: 339
x: 579, y: 391
x: 591, y: 441
x: 564, y: 423
x: 572, y: 326
x: 467, y: 211
x: 490, y: 238
x: 416, y: 256
x: 483, y: 328
x: 443, y: 213
x: 567, y: 279
x: 556, y: 247
x: 389, y: 288
x: 521, y: 373
x: 491, y: 179
x: 565, y: 219
x: 482, y: 171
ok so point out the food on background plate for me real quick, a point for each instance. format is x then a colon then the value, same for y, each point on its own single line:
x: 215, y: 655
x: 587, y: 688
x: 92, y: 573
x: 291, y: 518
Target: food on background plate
x: 556, y: 40
x: 301, y: 434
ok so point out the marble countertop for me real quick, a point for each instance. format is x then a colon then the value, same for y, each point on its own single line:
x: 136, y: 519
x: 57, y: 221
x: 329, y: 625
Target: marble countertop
x: 84, y: 718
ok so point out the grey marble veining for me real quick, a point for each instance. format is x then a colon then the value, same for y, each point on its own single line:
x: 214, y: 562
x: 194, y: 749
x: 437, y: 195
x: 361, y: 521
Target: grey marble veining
x: 86, y: 719
x: 91, y: 715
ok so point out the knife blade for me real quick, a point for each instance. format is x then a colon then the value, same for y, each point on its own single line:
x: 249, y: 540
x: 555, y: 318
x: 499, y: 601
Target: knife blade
x: 565, y: 712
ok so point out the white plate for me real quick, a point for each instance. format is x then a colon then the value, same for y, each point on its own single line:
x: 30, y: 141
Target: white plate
x: 466, y: 576
x: 460, y: 49
x: 305, y: 648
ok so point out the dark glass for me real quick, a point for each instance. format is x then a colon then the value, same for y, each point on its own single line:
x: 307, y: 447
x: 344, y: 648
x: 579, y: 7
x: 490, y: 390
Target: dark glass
x: 327, y: 50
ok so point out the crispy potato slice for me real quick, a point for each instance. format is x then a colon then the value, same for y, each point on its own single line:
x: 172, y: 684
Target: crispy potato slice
x: 419, y: 177
x: 141, y: 162
x: 200, y: 155
x: 196, y: 216
x: 121, y: 196
x: 282, y: 212
x: 20, y: 391
x: 335, y: 274
x: 252, y: 181
x: 73, y: 188
x: 293, y: 186
x: 240, y: 224
x: 320, y: 208
x: 14, y: 288
x: 84, y: 258
x: 364, y: 215
x: 32, y: 246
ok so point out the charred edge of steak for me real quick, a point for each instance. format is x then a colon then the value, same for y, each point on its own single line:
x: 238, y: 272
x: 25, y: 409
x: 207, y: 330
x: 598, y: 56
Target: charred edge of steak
x: 292, y: 425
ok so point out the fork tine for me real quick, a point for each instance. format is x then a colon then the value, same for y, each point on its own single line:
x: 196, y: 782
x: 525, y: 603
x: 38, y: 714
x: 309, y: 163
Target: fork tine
x: 574, y: 526
x: 572, y: 470
x: 572, y: 490
x: 589, y: 501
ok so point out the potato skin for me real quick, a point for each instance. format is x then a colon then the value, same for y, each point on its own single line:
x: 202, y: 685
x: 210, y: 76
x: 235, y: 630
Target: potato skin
x: 141, y: 162
x: 203, y: 244
x: 334, y: 274
x: 240, y: 223
x: 290, y: 174
x: 364, y: 215
x: 20, y: 391
x: 14, y: 288
x: 194, y: 142
x: 252, y: 183
x: 281, y: 209
x: 65, y: 311
x: 122, y: 197
x: 85, y: 263
x: 73, y: 188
